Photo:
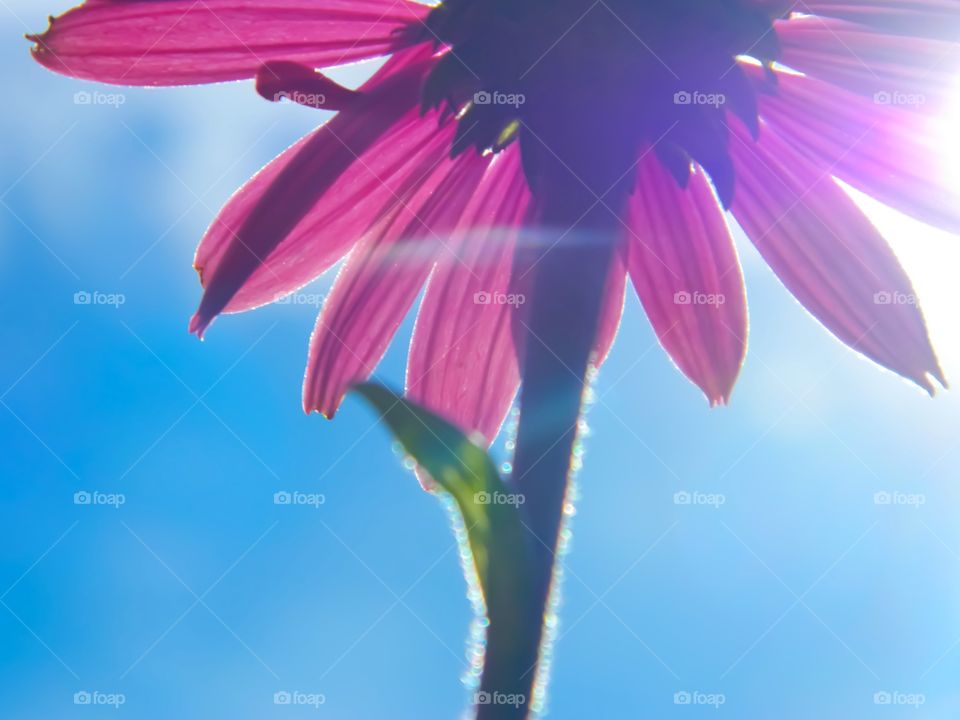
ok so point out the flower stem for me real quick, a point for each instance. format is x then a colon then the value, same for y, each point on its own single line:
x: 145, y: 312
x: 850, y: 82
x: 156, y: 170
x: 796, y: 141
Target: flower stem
x: 568, y: 275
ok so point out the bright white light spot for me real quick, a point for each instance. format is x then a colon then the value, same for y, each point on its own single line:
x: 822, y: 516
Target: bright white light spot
x: 947, y: 133
x: 931, y: 257
x: 932, y: 260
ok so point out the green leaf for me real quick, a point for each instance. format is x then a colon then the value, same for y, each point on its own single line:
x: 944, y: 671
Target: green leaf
x: 497, y: 537
x: 464, y: 469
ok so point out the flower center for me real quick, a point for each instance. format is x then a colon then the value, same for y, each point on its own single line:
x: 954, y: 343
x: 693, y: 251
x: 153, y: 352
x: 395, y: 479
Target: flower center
x: 595, y: 82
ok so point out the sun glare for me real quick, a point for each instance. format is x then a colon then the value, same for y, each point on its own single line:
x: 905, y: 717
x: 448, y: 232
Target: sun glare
x: 931, y: 257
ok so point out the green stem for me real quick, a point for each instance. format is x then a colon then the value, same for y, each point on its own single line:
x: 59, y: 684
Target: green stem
x: 568, y: 278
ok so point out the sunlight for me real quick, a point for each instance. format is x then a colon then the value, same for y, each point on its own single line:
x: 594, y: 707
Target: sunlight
x: 931, y: 257
x: 945, y: 134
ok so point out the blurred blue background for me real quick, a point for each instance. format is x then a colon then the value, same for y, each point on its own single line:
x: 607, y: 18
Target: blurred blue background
x: 800, y: 596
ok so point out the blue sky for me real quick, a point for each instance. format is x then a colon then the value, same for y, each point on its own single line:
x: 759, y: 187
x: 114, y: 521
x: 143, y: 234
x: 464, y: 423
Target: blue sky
x: 799, y: 596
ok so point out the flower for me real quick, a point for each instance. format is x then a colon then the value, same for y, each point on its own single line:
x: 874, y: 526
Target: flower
x: 431, y: 172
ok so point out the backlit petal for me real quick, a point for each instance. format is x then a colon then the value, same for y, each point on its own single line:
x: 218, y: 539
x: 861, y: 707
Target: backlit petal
x: 381, y: 279
x: 182, y: 42
x: 304, y: 211
x: 891, y: 154
x: 462, y: 361
x: 685, y: 269
x: 826, y: 252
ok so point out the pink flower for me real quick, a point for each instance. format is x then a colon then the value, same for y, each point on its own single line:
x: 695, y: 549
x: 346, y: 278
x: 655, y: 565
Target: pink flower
x: 424, y: 176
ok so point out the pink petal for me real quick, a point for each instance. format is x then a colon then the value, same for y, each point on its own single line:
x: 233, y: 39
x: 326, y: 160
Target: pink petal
x: 181, y: 42
x: 284, y: 80
x: 462, y: 361
x: 302, y: 212
x: 612, y: 310
x: 380, y: 281
x: 890, y: 154
x: 912, y: 73
x: 686, y: 272
x: 923, y: 18
x: 829, y: 256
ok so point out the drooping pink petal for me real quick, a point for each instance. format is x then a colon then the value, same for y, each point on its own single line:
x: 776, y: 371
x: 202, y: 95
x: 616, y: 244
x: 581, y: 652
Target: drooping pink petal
x: 302, y: 212
x: 462, y: 361
x: 686, y: 272
x: 182, y: 42
x: 888, y: 153
x: 380, y: 281
x: 826, y: 252
x: 922, y: 18
x: 911, y: 73
x: 366, y: 190
x: 285, y: 80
